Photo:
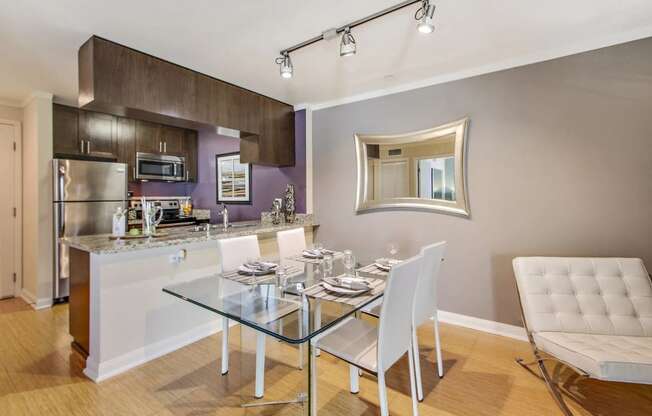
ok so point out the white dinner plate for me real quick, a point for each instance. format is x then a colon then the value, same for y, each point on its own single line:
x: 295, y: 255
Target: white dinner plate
x: 342, y: 290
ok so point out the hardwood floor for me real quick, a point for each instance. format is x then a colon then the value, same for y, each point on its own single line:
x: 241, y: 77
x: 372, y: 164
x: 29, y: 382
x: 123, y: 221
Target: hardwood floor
x: 40, y: 374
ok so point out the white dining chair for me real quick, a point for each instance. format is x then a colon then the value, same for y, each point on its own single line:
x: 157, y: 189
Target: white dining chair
x: 425, y: 306
x: 291, y: 242
x: 234, y: 252
x: 375, y: 349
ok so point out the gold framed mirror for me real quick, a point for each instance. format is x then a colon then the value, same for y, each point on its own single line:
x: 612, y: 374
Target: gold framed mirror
x: 423, y: 170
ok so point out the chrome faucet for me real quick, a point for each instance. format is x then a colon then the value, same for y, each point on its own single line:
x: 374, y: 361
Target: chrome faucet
x: 225, y: 217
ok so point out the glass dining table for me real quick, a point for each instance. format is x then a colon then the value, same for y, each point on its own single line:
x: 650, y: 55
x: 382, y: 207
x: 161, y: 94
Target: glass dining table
x: 295, y: 309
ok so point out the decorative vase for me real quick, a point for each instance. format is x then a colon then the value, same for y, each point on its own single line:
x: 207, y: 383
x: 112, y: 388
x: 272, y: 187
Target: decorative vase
x: 276, y: 211
x: 289, y: 200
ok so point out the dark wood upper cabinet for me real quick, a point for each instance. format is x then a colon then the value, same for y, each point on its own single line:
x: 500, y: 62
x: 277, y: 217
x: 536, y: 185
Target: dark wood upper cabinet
x: 190, y: 153
x: 275, y: 145
x: 107, y: 137
x: 172, y: 139
x: 65, y: 130
x: 148, y: 137
x: 123, y: 81
x: 98, y: 132
x: 125, y: 145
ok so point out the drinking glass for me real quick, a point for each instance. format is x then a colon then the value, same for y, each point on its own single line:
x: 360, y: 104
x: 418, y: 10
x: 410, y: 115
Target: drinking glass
x: 281, y: 277
x: 327, y: 263
x: 349, y: 261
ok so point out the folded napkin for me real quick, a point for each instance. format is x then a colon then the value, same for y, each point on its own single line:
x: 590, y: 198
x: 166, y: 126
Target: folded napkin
x: 258, y: 268
x: 352, y: 283
x: 386, y: 264
x: 316, y: 253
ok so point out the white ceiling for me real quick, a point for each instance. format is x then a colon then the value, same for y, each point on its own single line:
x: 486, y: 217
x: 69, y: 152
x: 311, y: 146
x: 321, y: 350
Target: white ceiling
x: 238, y: 40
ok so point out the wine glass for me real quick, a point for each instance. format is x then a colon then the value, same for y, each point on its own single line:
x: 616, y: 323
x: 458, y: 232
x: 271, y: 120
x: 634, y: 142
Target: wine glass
x: 392, y: 249
x: 349, y: 261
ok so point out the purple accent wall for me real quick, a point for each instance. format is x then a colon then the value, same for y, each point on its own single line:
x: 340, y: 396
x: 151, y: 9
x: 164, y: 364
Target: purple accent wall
x: 267, y: 182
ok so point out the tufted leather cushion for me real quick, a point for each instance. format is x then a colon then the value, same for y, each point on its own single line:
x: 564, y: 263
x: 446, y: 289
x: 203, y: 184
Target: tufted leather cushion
x: 605, y: 357
x: 600, y: 296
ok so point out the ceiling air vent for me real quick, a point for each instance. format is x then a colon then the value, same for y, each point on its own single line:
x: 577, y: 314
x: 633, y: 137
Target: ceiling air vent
x: 395, y: 152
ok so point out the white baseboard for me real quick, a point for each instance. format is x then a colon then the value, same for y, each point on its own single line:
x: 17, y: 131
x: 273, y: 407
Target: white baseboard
x: 492, y: 327
x: 101, y: 371
x: 33, y: 301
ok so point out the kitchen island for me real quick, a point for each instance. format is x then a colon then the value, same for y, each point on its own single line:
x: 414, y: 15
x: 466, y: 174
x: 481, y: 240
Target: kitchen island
x: 119, y: 316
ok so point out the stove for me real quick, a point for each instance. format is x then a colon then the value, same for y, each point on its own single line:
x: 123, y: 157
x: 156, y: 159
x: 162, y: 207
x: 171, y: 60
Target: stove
x: 172, y: 214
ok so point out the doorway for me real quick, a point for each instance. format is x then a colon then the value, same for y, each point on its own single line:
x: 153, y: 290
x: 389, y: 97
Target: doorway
x: 9, y: 224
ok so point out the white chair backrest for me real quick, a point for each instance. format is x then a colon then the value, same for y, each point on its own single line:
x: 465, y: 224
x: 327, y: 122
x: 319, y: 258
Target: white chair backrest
x: 235, y: 251
x: 395, y: 326
x: 603, y: 296
x: 425, y: 302
x: 291, y: 242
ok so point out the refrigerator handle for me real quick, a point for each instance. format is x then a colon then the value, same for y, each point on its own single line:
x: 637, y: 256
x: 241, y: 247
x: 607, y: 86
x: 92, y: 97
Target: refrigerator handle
x: 58, y: 233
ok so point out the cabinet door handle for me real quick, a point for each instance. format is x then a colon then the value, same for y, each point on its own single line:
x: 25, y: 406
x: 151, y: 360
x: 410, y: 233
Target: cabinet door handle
x: 160, y: 147
x: 88, y: 147
x: 187, y: 175
x: 134, y: 177
x: 165, y: 147
x: 81, y: 143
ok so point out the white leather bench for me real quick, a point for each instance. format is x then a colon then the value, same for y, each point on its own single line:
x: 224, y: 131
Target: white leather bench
x: 593, y: 314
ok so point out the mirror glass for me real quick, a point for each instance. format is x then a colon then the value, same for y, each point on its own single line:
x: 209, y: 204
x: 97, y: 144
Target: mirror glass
x: 423, y: 169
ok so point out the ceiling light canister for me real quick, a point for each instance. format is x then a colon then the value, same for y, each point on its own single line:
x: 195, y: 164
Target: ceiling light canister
x: 348, y: 46
x: 425, y: 17
x: 285, y: 65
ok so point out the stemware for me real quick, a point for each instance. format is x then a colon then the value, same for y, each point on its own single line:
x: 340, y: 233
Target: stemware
x: 392, y: 250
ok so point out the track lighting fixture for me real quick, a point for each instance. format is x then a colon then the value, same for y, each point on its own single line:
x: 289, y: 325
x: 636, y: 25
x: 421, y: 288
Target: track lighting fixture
x: 424, y: 15
x: 347, y: 45
x: 285, y: 64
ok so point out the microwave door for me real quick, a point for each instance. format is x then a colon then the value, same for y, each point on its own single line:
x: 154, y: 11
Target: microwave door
x: 150, y: 169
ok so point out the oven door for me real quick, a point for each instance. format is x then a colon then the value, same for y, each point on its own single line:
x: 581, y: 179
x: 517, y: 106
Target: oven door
x: 160, y: 167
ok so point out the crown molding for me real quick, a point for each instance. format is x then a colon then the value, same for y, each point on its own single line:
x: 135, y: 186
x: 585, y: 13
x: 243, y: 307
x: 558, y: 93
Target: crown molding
x: 523, y: 60
x: 34, y: 95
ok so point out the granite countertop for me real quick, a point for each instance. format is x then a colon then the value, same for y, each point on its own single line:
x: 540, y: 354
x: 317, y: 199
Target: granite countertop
x: 101, y: 244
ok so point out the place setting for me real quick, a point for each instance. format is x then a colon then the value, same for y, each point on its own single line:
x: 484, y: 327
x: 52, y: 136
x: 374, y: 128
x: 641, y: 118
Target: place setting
x: 255, y: 271
x: 383, y: 265
x: 347, y: 287
x: 315, y: 254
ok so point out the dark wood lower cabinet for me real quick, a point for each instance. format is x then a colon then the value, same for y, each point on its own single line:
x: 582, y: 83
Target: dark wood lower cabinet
x: 79, y: 300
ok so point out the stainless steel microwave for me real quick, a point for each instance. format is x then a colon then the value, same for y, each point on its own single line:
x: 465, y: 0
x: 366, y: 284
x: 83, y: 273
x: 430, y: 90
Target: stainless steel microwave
x: 150, y: 166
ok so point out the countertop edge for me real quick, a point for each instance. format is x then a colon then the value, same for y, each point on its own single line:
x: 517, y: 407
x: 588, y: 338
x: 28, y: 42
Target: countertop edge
x: 101, y: 245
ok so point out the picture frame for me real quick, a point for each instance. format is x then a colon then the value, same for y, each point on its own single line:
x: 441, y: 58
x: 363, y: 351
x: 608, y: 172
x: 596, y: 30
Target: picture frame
x: 232, y: 179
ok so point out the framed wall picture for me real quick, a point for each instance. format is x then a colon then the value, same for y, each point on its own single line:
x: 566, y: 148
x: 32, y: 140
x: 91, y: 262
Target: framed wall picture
x: 233, y: 179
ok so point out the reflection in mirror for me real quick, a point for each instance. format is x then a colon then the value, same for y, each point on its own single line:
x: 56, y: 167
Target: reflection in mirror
x: 423, y: 169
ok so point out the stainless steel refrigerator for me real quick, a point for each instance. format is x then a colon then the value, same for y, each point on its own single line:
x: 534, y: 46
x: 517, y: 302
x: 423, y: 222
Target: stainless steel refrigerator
x: 86, y: 194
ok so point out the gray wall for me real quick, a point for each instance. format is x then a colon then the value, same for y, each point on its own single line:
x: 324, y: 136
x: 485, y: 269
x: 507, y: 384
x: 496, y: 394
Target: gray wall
x: 559, y: 164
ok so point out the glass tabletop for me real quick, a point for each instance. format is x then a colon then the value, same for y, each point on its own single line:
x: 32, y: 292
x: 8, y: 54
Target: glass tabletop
x: 293, y: 311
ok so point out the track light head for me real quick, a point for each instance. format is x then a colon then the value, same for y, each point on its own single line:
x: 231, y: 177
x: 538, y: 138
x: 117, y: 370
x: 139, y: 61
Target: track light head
x: 285, y: 65
x: 425, y: 17
x: 348, y: 46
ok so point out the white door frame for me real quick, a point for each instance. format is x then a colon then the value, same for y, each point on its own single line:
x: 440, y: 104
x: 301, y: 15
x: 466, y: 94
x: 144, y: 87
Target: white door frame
x: 18, y: 200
